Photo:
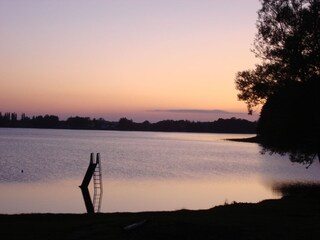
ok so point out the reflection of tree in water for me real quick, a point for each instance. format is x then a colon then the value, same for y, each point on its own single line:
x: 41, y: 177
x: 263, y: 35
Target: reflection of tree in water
x: 295, y: 155
x: 304, y: 158
x: 309, y: 189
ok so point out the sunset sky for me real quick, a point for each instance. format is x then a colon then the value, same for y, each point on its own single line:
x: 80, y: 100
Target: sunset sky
x: 140, y: 59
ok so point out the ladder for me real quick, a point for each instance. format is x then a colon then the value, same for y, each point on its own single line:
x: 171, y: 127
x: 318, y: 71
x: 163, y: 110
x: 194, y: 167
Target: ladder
x: 97, y: 184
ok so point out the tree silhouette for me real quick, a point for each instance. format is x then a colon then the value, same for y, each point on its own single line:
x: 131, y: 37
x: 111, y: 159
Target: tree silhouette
x: 289, y: 122
x: 287, y: 80
x: 232, y: 125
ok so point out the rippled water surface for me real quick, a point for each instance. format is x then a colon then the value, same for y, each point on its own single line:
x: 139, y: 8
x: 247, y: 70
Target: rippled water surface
x: 40, y: 170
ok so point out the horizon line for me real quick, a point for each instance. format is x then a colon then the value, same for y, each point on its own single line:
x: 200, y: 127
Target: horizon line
x: 202, y: 111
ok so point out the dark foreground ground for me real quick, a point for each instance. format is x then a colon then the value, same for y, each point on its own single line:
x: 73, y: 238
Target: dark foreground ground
x: 292, y: 217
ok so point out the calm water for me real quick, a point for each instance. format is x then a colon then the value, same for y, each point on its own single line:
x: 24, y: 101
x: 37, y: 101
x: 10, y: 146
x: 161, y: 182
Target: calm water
x: 142, y: 171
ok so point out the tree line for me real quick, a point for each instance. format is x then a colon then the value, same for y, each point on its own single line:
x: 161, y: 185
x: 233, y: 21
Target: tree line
x: 232, y: 125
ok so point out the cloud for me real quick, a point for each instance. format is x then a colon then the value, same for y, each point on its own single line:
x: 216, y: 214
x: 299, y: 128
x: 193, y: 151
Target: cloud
x: 200, y: 111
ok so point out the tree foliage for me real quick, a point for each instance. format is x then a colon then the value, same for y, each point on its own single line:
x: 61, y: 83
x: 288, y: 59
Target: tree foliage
x: 288, y: 45
x: 286, y: 82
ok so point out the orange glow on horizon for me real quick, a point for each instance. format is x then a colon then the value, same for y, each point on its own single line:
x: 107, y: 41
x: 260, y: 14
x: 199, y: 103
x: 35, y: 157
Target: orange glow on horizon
x: 133, y: 63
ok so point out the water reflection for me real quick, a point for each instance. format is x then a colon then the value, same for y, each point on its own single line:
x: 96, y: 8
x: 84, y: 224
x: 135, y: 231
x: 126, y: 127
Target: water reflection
x: 135, y: 195
x: 41, y: 197
x: 87, y: 200
x: 297, y: 189
x: 130, y: 196
x: 305, y: 154
x: 142, y: 171
x: 184, y: 194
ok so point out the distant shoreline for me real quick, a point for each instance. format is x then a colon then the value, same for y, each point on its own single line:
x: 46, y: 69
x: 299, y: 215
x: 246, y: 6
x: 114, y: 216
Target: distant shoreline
x: 254, y: 139
x: 231, y: 125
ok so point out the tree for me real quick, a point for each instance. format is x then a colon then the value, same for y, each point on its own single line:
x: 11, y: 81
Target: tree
x: 126, y: 124
x: 286, y: 82
x: 289, y: 122
x: 79, y: 122
x: 288, y: 43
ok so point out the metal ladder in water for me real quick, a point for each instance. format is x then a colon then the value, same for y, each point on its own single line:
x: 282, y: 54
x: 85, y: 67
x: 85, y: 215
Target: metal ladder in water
x: 97, y: 183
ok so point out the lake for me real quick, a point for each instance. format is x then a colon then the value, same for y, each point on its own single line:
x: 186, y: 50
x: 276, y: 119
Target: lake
x: 41, y: 169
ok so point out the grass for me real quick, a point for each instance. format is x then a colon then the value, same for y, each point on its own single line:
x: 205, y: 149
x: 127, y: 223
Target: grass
x: 292, y: 217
